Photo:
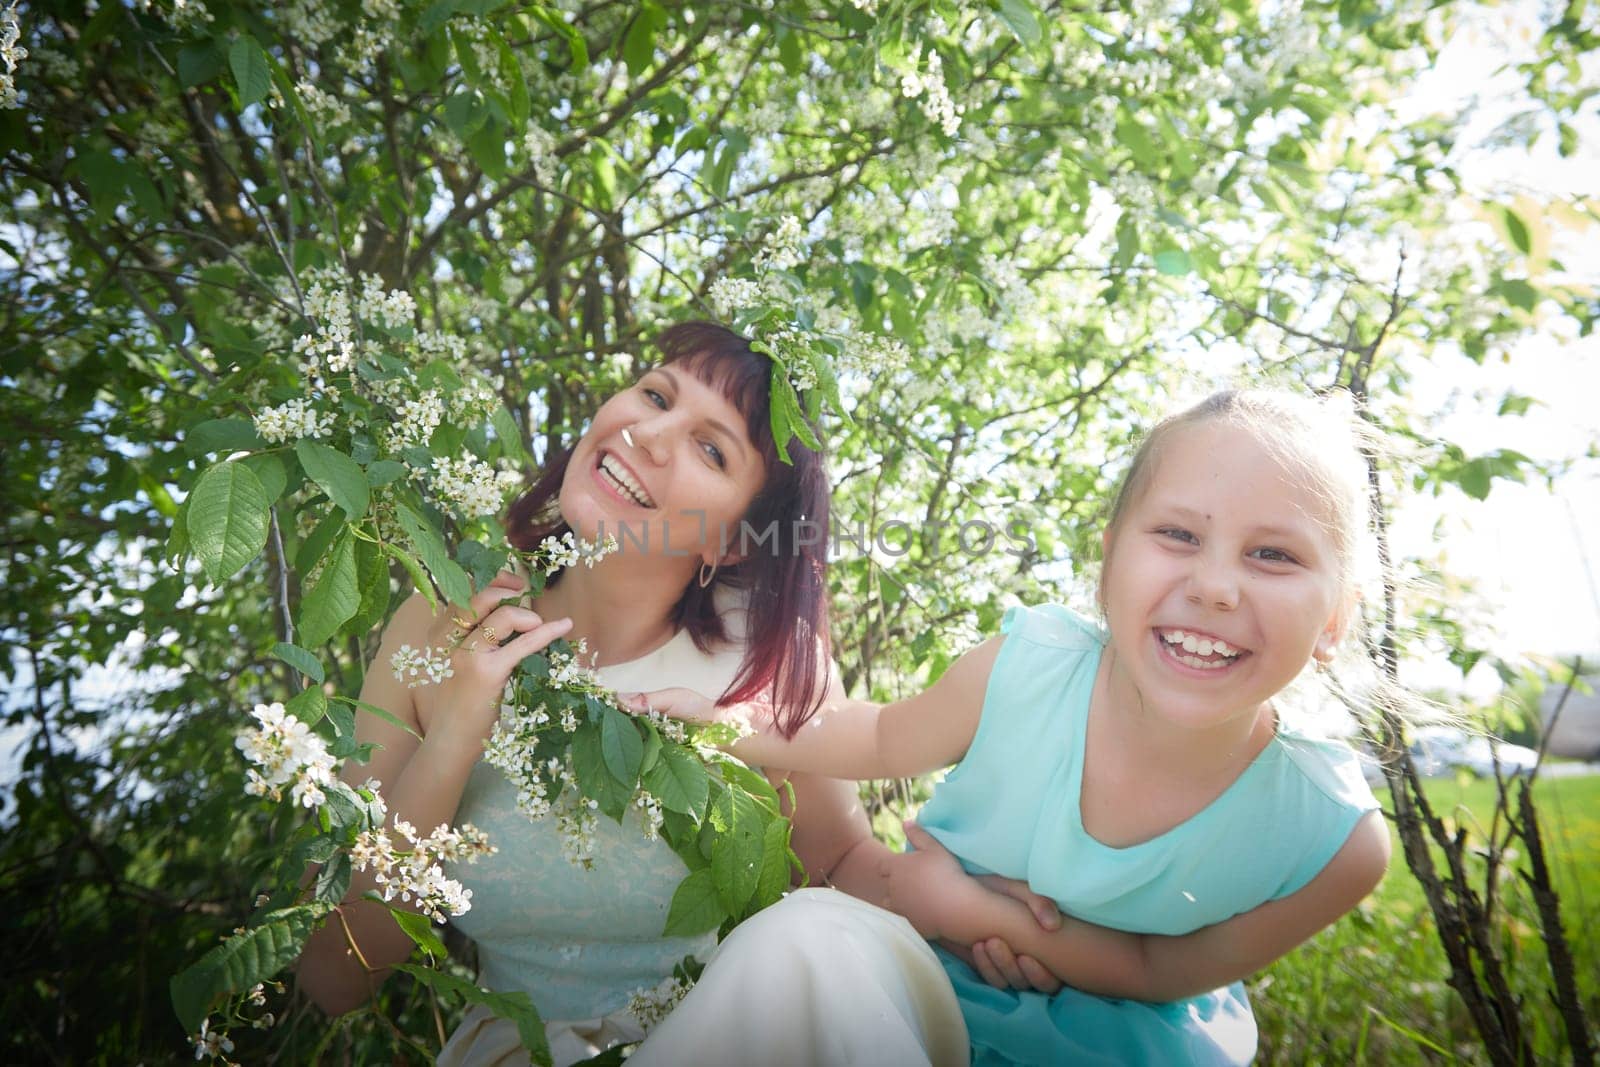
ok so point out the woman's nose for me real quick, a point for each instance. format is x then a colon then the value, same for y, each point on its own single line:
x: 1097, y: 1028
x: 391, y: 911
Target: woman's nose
x: 652, y: 435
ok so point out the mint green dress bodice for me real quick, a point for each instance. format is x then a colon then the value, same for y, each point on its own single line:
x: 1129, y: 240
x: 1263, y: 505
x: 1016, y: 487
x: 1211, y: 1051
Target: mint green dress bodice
x: 580, y: 942
x: 1010, y: 807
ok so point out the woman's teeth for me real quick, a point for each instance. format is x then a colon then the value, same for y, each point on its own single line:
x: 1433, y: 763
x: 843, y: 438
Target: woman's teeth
x: 625, y: 482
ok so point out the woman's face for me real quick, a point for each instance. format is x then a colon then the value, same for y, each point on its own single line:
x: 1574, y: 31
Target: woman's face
x: 667, y: 467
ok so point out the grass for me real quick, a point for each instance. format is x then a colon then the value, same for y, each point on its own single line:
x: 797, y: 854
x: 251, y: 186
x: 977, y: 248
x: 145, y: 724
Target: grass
x: 1374, y: 988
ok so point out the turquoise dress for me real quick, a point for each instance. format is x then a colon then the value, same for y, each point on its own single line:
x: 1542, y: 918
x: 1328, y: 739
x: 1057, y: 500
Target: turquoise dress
x: 1010, y: 807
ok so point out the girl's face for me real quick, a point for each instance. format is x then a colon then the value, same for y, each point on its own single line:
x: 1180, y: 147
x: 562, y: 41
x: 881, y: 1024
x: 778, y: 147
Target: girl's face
x: 1221, y: 581
x: 665, y: 467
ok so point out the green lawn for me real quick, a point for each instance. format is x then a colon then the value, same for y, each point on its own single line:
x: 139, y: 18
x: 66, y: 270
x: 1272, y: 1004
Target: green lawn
x: 1373, y: 987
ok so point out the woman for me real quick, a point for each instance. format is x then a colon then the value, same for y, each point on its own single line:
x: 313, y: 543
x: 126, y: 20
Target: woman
x: 671, y: 465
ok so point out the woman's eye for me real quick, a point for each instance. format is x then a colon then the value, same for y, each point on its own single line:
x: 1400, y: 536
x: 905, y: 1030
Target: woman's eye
x: 655, y: 398
x: 1177, y: 533
x: 715, y: 453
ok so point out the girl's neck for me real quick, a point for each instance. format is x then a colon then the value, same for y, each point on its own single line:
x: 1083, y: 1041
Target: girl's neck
x: 1172, y: 748
x: 622, y: 606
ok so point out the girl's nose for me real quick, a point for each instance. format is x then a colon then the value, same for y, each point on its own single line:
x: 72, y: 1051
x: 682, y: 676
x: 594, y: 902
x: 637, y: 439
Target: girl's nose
x: 1214, y: 584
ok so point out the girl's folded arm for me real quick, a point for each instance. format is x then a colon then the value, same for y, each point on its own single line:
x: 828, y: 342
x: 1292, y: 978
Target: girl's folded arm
x: 1155, y: 967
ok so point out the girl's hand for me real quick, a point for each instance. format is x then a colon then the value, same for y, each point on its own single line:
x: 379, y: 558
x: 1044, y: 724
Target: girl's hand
x: 686, y: 705
x: 485, y: 642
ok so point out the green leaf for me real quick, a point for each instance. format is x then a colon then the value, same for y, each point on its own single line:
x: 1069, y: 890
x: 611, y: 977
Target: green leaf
x: 1519, y: 293
x: 334, y: 599
x: 221, y: 435
x: 309, y: 705
x: 429, y: 544
x: 227, y: 519
x: 638, y: 47
x: 774, y: 875
x: 333, y: 880
x: 1138, y: 141
x: 419, y: 577
x: 736, y: 851
x: 1021, y: 19
x: 383, y: 713
x: 679, y: 781
x: 298, y: 658
x: 513, y: 1006
x: 385, y: 471
x: 752, y: 782
x: 372, y: 575
x: 1517, y: 230
x: 243, y: 960
x: 419, y: 928
x: 250, y: 72
x: 621, y: 746
x: 339, y: 476
x: 695, y: 906
x: 1174, y: 262
x: 594, y: 777
x: 269, y: 470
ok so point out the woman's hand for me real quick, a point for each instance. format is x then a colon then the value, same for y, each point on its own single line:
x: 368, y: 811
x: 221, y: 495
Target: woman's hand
x: 961, y: 893
x: 484, y: 642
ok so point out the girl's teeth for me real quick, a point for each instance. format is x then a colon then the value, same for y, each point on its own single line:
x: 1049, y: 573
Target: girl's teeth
x: 1200, y: 646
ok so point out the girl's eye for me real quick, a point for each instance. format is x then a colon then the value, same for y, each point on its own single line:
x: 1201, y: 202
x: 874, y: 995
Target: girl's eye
x: 654, y: 397
x: 715, y: 453
x: 1177, y: 533
x: 1273, y: 555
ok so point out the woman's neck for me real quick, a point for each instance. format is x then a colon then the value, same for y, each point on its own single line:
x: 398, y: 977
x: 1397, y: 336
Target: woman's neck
x: 622, y: 606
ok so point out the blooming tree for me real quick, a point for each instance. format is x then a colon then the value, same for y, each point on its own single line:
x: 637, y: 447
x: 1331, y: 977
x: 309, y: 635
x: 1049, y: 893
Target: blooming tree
x: 297, y: 293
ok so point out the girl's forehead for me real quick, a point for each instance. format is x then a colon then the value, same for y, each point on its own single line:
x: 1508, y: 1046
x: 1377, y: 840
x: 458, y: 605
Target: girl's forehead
x: 1229, y: 463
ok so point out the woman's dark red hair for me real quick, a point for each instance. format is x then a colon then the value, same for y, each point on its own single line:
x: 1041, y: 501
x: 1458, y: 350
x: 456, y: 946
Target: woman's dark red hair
x: 784, y: 578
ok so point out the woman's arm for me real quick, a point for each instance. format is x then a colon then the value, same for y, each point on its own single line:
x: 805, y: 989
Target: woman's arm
x: 855, y: 738
x: 1155, y: 967
x: 422, y: 780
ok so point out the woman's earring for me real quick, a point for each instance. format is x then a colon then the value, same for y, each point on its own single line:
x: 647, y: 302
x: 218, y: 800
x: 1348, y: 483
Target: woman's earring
x: 627, y: 436
x: 707, y: 575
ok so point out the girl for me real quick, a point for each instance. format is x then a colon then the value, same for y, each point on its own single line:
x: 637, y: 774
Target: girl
x: 684, y: 451
x: 1145, y: 774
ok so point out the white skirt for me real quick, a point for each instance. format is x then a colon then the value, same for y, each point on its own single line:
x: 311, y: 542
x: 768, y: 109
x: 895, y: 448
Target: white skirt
x: 818, y: 979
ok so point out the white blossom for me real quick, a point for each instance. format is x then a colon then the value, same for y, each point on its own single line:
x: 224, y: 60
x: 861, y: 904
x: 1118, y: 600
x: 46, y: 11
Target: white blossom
x: 292, y: 420
x: 11, y: 54
x: 729, y: 296
x: 323, y: 108
x: 933, y: 96
x: 421, y: 666
x: 471, y: 486
x: 210, y: 1043
x: 540, y: 144
x: 781, y: 249
x: 284, y: 750
x: 417, y: 873
x: 650, y: 1005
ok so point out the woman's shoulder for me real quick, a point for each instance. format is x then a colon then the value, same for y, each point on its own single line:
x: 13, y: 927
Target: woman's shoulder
x: 1053, y: 625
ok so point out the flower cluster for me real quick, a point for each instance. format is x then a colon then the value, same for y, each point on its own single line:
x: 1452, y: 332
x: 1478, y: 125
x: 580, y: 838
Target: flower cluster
x: 649, y: 1006
x: 11, y: 54
x: 424, y: 666
x: 781, y: 249
x: 471, y: 486
x: 324, y: 109
x: 558, y: 553
x: 285, y: 750
x: 729, y: 296
x: 936, y: 103
x: 292, y: 420
x: 415, y: 419
x: 417, y: 872
x: 790, y: 350
x: 540, y: 145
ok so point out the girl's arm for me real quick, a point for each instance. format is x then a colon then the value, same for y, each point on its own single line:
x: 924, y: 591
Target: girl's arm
x: 855, y: 738
x: 422, y: 780
x: 834, y: 841
x: 1155, y: 967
